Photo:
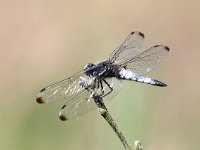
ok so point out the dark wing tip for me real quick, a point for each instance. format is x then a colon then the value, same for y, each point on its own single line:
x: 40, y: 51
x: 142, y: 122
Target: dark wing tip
x: 40, y: 100
x: 140, y: 33
x: 63, y: 118
x: 167, y: 48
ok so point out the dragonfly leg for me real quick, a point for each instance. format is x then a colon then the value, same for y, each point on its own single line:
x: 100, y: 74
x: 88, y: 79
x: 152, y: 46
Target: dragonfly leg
x: 100, y: 81
x: 111, y: 89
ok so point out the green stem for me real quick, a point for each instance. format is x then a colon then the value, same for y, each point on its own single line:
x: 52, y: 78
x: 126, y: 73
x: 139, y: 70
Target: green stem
x: 106, y: 115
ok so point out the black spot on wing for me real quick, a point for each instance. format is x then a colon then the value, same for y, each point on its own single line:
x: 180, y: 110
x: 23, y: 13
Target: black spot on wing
x: 63, y: 107
x: 141, y: 34
x: 63, y: 118
x: 40, y: 100
x: 42, y: 90
x: 167, y: 48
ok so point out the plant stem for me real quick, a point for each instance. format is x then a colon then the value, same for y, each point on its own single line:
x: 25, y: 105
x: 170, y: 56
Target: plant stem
x: 106, y: 115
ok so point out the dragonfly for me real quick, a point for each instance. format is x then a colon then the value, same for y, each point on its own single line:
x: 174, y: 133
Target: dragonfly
x: 126, y: 62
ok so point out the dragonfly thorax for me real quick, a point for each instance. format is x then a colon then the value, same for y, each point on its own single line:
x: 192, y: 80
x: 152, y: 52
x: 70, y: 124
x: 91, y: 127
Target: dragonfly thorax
x: 102, y: 69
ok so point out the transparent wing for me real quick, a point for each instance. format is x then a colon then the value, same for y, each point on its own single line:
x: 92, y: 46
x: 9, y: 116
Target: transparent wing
x: 65, y: 89
x: 147, y: 60
x: 115, y: 84
x: 84, y: 102
x: 78, y: 105
x: 130, y: 47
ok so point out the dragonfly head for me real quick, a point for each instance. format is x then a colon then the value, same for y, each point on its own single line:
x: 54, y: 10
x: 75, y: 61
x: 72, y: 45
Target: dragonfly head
x: 89, y: 66
x: 93, y: 70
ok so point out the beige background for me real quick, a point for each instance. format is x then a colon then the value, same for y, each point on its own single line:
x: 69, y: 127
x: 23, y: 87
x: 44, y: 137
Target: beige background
x: 44, y: 41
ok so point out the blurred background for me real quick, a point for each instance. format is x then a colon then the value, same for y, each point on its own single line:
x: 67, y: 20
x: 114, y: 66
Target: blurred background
x: 44, y: 41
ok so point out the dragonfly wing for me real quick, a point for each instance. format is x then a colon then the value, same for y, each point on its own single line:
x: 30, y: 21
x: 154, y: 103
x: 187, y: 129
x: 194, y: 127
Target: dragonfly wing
x: 84, y: 102
x: 130, y: 48
x: 77, y: 106
x: 65, y: 89
x: 147, y: 60
x: 116, y: 86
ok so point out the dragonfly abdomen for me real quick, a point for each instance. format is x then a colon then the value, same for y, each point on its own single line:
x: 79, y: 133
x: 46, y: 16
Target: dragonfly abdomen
x: 129, y: 75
